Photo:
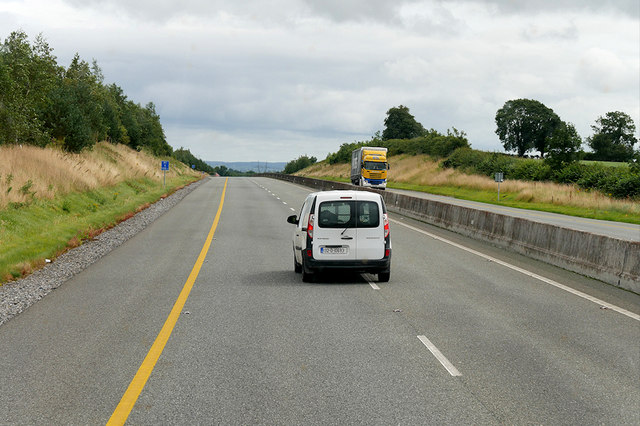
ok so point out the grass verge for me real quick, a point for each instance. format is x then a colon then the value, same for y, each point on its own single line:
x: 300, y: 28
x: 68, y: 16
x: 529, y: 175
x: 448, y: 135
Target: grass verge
x: 42, y: 229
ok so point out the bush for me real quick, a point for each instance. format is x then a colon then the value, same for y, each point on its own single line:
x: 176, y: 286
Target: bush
x: 299, y: 164
x: 432, y: 143
x: 569, y: 174
x: 185, y: 156
x: 534, y: 170
x: 344, y: 153
x: 619, y: 182
x: 493, y: 163
x: 464, y: 158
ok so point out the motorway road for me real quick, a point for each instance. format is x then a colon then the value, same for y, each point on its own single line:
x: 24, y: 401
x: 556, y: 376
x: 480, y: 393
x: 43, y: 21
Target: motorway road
x: 619, y: 230
x: 253, y: 344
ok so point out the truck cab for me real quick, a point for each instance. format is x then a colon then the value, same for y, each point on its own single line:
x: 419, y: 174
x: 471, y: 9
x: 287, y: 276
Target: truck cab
x: 369, y: 167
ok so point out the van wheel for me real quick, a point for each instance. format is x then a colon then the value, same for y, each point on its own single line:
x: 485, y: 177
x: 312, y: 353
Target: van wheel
x: 307, y: 277
x: 383, y: 277
x: 296, y: 266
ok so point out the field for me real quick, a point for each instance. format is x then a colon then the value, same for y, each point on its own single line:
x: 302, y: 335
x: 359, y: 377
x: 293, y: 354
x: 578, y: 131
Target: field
x: 420, y: 173
x: 51, y: 200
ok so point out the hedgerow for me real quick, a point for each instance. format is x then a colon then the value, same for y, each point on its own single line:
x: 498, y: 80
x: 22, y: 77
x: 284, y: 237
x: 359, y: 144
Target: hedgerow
x: 432, y: 143
x: 618, y: 182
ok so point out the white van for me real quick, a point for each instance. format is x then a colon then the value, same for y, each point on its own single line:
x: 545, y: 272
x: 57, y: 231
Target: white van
x: 342, y: 230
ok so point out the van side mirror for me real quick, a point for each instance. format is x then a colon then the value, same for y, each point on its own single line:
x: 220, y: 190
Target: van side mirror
x: 388, y: 166
x: 293, y: 219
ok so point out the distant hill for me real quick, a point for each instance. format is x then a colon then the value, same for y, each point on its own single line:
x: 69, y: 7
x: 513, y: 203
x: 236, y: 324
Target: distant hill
x: 256, y: 166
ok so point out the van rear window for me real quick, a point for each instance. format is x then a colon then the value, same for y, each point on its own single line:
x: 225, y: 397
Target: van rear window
x: 348, y: 214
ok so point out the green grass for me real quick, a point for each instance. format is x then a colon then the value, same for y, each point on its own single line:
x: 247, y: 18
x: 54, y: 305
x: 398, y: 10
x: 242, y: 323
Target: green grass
x: 43, y: 229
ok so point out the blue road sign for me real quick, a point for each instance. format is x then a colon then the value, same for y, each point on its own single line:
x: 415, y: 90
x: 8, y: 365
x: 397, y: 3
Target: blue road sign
x: 165, y: 165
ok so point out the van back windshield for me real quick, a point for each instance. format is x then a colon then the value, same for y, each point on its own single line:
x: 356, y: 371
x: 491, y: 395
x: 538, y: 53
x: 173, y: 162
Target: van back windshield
x: 373, y: 165
x: 348, y: 214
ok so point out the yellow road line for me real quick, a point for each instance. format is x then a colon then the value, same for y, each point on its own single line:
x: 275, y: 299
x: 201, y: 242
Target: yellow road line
x: 122, y: 411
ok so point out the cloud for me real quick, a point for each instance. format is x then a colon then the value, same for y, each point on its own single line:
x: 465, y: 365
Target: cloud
x: 249, y: 145
x: 356, y: 10
x: 296, y: 77
x: 163, y: 11
x: 524, y: 7
x: 605, y: 71
x: 340, y: 11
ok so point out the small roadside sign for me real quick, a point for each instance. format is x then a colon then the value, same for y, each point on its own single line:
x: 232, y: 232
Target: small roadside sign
x: 499, y: 177
x: 165, y: 169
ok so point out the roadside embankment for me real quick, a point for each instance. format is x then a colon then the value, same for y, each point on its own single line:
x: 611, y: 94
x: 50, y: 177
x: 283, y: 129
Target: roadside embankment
x: 611, y: 260
x: 51, y: 200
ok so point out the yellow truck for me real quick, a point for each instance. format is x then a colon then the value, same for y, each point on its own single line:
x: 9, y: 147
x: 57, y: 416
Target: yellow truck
x: 369, y: 167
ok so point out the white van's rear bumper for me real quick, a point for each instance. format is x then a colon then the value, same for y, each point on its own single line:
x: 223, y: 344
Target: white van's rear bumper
x: 372, y: 266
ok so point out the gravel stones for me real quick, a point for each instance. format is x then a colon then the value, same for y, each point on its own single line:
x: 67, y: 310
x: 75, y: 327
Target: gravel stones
x: 16, y: 296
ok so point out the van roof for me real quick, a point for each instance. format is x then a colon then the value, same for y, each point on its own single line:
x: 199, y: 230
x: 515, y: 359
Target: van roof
x: 354, y: 195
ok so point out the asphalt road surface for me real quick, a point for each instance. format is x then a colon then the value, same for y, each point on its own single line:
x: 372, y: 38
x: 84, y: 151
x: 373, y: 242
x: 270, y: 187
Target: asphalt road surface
x: 455, y: 337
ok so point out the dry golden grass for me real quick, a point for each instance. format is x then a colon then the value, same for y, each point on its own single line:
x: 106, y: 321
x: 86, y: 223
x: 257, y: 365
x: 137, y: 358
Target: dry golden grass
x: 53, y: 172
x: 421, y: 170
x: 320, y: 170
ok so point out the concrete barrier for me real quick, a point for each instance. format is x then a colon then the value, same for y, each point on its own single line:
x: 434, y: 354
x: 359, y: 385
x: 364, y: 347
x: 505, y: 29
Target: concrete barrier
x: 611, y: 260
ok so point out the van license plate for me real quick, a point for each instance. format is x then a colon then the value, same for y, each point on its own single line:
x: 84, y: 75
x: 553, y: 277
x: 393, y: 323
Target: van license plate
x: 333, y: 250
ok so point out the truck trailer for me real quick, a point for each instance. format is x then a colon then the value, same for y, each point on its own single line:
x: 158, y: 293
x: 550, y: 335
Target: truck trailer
x: 369, y: 167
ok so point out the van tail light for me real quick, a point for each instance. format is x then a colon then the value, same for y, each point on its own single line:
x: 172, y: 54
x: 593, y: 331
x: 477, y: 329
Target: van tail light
x: 385, y: 220
x: 310, y: 226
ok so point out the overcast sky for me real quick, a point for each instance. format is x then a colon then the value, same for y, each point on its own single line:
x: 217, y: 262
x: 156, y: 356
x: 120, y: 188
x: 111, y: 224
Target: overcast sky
x: 237, y: 80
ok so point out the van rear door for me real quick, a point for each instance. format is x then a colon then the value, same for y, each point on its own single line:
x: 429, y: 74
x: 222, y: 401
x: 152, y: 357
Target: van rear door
x: 335, y: 235
x: 370, y: 230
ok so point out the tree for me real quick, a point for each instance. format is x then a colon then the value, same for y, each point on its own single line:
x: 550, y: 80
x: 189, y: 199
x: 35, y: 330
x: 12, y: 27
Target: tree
x: 563, y: 146
x: 400, y: 124
x: 614, y: 138
x: 524, y: 125
x: 74, y: 113
x: 27, y: 75
x: 152, y: 133
x: 40, y: 100
x: 185, y: 156
x: 298, y: 164
x: 113, y: 111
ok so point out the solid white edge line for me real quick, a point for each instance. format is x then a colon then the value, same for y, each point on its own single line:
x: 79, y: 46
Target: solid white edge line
x: 528, y: 273
x: 443, y: 360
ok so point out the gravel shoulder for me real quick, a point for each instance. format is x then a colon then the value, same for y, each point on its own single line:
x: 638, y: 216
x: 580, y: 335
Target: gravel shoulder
x: 17, y: 296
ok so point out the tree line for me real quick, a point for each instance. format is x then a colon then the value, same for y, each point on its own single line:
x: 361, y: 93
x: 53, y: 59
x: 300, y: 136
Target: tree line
x: 525, y: 125
x: 43, y: 103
